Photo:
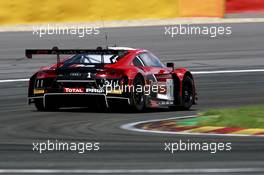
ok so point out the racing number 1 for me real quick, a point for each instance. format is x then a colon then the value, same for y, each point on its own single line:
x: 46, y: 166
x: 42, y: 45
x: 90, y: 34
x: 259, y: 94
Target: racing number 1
x: 89, y: 75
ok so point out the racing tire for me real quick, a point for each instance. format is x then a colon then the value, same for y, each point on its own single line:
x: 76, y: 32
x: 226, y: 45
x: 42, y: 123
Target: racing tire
x: 48, y: 107
x: 39, y: 104
x: 138, y: 99
x: 187, y: 93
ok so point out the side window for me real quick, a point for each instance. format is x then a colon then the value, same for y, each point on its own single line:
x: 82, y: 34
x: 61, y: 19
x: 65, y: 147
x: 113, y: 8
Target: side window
x: 156, y: 61
x: 151, y: 60
x: 138, y: 62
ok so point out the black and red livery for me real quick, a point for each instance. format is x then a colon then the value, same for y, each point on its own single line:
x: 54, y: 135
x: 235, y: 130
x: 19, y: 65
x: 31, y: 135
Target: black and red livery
x: 81, y: 79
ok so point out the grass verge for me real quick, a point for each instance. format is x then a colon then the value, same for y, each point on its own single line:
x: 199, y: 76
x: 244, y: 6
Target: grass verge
x: 244, y: 117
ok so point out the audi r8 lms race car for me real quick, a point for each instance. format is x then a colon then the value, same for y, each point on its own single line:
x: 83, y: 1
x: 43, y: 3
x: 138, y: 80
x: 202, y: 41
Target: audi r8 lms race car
x: 104, y: 78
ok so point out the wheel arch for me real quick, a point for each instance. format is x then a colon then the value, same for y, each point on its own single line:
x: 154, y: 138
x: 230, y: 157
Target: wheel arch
x: 133, y: 76
x: 178, y: 76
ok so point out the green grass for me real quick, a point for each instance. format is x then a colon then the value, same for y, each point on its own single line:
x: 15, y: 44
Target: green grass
x: 245, y: 117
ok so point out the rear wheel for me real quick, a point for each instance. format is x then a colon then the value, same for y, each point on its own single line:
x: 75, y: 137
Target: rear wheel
x: 48, y: 106
x: 138, y: 98
x: 39, y: 104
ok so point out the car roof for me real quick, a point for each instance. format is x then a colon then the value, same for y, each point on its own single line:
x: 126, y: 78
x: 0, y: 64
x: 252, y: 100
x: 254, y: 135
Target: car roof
x: 129, y: 49
x: 121, y: 48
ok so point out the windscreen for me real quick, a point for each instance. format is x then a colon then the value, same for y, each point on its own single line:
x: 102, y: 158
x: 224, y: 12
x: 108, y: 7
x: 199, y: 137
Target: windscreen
x: 93, y: 59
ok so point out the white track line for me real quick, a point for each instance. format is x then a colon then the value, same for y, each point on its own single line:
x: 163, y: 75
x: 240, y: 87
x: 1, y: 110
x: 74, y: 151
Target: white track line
x: 228, y: 71
x: 13, y: 80
x: 131, y: 127
x: 131, y: 171
x: 193, y: 72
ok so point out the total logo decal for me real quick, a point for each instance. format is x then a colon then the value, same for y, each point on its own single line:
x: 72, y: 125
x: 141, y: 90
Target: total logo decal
x: 74, y: 90
x: 82, y: 90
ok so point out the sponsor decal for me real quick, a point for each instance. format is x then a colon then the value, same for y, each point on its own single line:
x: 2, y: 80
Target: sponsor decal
x: 165, y: 102
x: 92, y: 90
x: 74, y: 90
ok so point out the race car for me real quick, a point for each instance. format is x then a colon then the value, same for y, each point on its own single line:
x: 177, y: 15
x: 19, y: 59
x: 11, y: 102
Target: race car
x: 112, y: 77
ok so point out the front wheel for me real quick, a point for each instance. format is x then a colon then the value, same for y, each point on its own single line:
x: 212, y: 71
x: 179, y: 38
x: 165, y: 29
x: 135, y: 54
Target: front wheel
x: 187, y: 93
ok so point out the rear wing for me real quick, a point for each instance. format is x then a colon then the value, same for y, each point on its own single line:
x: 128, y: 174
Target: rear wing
x: 56, y: 51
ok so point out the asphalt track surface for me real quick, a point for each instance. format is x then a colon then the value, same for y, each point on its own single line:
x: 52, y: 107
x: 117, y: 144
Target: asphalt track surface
x: 20, y: 125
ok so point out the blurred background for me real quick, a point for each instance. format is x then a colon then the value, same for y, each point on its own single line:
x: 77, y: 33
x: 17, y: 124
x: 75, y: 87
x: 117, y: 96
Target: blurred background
x: 46, y: 11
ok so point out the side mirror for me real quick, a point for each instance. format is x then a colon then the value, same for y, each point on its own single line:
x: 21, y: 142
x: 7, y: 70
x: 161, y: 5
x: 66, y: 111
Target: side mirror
x: 170, y: 65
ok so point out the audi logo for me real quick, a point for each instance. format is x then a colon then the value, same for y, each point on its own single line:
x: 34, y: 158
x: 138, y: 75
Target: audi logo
x: 75, y: 74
